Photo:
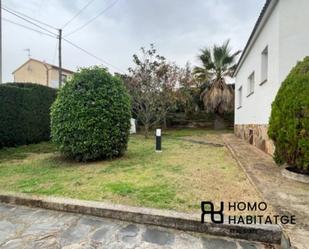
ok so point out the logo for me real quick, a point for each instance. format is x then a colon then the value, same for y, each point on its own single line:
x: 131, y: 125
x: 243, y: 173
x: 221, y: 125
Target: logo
x: 212, y: 212
x: 258, y: 208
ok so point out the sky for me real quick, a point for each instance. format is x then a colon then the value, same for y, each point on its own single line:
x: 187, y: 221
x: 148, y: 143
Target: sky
x: 178, y: 28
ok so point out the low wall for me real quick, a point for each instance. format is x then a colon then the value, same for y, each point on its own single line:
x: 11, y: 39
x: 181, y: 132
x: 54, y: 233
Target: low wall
x: 165, y: 218
x: 255, y: 134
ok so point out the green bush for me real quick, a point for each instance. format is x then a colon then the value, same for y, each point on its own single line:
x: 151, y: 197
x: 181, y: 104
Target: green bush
x: 24, y: 113
x: 289, y: 121
x: 91, y: 116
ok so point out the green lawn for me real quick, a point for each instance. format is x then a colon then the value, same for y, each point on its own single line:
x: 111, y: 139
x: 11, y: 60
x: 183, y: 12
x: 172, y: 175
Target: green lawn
x: 179, y: 178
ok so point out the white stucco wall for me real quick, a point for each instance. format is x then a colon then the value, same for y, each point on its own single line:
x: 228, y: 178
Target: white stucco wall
x: 285, y: 34
x: 255, y: 108
x: 293, y: 34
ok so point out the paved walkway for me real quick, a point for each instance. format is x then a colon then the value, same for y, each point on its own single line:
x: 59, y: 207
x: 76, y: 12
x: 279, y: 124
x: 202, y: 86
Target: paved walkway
x: 23, y: 228
x: 286, y: 196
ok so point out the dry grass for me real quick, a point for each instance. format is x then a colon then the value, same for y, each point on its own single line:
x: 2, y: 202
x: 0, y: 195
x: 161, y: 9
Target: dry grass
x: 179, y: 178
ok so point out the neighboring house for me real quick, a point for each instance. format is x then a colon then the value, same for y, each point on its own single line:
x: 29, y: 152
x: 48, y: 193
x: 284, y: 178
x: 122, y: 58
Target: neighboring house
x: 279, y: 39
x: 40, y: 72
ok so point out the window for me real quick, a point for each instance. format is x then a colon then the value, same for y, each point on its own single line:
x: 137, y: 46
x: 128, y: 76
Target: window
x: 63, y: 77
x: 264, y: 66
x: 251, y: 136
x: 54, y: 83
x: 251, y: 84
x: 239, y: 97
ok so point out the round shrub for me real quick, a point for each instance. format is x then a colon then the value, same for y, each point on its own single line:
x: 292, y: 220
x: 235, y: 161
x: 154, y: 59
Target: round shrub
x: 24, y: 113
x: 90, y: 118
x: 289, y: 121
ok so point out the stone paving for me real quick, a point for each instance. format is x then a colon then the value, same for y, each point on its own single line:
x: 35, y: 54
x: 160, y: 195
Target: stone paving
x: 288, y: 197
x: 24, y: 227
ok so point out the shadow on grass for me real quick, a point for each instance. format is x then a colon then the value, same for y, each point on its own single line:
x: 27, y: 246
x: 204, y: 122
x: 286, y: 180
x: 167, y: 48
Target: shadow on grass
x: 22, y: 152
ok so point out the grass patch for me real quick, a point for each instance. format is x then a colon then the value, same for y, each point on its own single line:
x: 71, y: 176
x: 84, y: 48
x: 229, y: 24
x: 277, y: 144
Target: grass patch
x: 162, y: 194
x: 121, y: 188
x: 179, y: 178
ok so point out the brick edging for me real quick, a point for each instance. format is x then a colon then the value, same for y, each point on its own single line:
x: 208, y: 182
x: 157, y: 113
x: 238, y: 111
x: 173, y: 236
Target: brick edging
x: 182, y: 221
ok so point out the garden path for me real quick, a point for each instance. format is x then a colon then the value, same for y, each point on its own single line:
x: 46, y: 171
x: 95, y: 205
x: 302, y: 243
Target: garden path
x: 286, y: 196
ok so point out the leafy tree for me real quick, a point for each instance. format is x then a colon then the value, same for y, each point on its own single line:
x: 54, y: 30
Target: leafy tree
x: 217, y: 64
x: 168, y: 98
x: 188, y: 95
x: 151, y: 83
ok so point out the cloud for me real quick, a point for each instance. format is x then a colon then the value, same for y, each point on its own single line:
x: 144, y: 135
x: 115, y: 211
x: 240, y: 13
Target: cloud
x: 179, y: 28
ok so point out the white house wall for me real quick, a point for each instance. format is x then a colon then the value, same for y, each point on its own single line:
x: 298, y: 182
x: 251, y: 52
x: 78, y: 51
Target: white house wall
x: 293, y: 34
x: 256, y: 108
x: 286, y: 33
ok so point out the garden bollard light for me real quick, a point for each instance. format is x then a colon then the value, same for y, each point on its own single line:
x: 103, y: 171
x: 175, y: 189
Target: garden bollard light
x: 158, y: 140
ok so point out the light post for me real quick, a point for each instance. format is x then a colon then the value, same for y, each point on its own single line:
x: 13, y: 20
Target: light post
x: 158, y: 140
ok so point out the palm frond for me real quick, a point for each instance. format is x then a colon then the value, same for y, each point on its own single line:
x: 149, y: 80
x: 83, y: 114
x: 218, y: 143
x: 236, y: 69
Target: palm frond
x: 206, y: 58
x: 219, y: 98
x: 217, y: 63
x: 202, y: 74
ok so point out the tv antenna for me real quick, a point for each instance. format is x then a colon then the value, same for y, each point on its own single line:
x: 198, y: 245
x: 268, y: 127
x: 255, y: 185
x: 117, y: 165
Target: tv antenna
x: 28, y: 50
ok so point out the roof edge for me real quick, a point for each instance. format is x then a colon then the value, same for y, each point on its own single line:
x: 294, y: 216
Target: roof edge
x: 267, y: 9
x: 53, y: 66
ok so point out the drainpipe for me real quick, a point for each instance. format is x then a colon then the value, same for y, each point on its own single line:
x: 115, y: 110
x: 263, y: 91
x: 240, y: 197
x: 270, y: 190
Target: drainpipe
x: 47, y: 74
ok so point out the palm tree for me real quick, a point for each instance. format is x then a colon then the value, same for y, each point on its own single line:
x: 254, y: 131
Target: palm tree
x: 217, y: 64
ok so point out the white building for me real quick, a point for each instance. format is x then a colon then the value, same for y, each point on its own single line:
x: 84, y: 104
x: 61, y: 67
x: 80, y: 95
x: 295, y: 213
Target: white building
x: 279, y: 39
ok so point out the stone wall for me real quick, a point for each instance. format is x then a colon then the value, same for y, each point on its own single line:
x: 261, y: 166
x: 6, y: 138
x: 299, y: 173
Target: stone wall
x: 256, y: 135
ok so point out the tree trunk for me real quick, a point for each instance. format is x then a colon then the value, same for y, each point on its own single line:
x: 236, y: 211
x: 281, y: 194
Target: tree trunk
x: 219, y: 123
x: 164, y: 123
x: 146, y: 130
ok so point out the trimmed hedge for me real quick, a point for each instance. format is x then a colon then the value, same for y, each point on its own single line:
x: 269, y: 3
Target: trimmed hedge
x: 289, y: 121
x: 24, y: 113
x: 91, y: 116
